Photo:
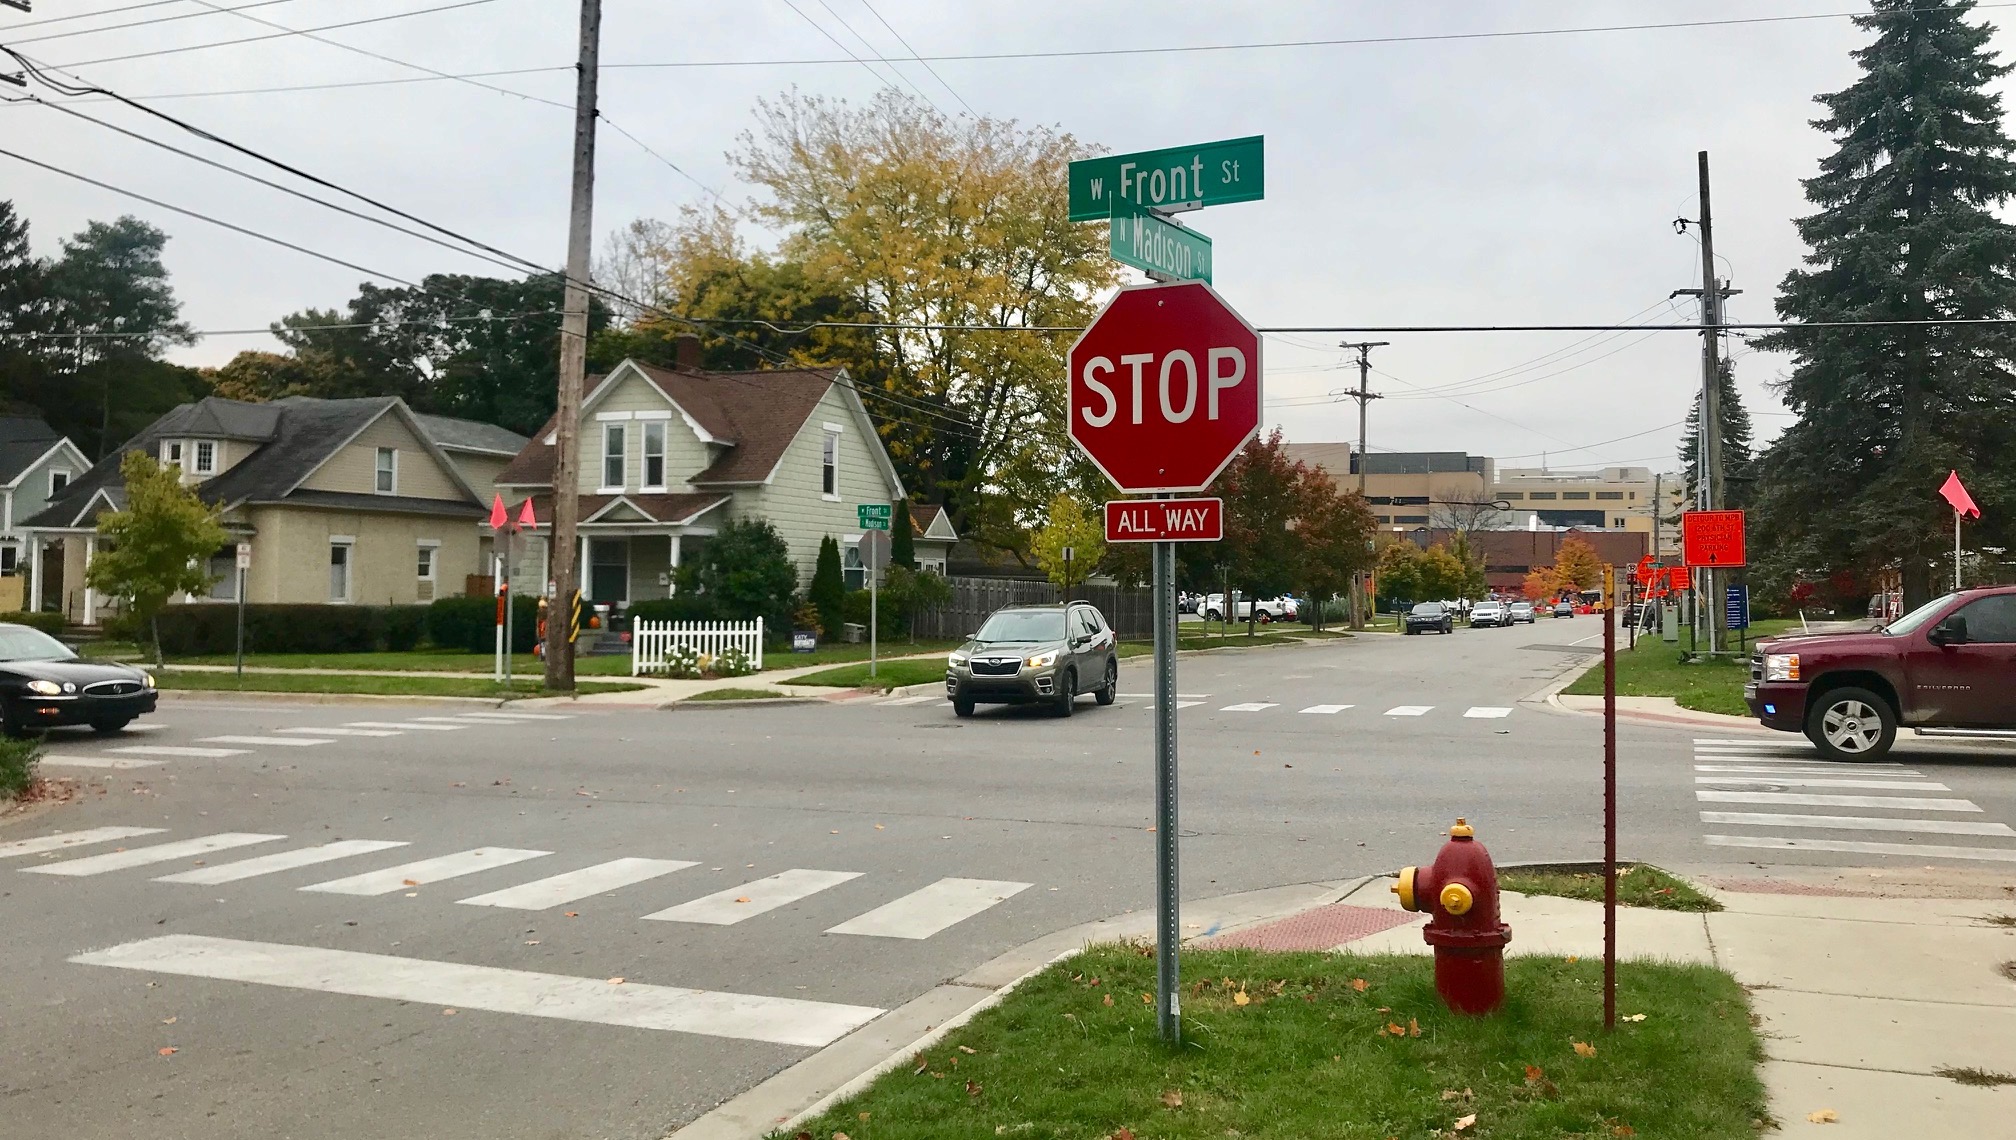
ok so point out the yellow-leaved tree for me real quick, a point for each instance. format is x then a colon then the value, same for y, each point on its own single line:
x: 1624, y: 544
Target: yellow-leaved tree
x: 1577, y: 562
x: 1071, y: 525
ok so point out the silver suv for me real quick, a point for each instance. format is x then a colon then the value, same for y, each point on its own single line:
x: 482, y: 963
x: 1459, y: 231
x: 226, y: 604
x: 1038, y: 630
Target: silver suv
x: 1035, y: 654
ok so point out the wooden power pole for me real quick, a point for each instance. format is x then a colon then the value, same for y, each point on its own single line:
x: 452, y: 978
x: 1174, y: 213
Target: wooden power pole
x: 1360, y: 604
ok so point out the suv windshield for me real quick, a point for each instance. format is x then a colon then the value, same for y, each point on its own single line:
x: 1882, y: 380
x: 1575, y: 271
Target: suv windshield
x: 1910, y: 622
x: 20, y: 643
x: 1023, y: 625
x: 1428, y: 608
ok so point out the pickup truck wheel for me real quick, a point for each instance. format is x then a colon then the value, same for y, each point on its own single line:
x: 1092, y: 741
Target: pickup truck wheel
x: 1851, y: 724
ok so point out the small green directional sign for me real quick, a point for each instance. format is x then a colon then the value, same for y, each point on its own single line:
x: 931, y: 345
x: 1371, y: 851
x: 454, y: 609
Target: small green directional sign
x: 1172, y: 180
x: 1157, y: 245
x: 873, y: 516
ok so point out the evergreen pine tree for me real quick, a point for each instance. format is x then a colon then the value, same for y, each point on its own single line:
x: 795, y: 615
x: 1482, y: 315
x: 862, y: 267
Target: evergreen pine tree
x: 828, y: 591
x: 902, y: 543
x: 1738, y: 458
x: 1905, y: 232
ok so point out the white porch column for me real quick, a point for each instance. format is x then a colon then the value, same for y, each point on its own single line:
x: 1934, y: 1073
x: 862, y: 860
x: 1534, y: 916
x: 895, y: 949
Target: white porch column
x: 90, y: 595
x: 672, y: 584
x: 34, y: 601
x: 587, y: 544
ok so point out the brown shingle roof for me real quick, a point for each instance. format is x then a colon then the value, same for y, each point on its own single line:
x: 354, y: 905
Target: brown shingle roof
x: 758, y: 413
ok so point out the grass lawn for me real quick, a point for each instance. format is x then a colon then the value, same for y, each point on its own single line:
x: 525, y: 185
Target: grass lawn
x: 841, y: 652
x: 417, y: 661
x: 1073, y: 1053
x: 1654, y: 669
x: 417, y: 686
x: 888, y: 675
x: 734, y: 694
x: 1638, y: 884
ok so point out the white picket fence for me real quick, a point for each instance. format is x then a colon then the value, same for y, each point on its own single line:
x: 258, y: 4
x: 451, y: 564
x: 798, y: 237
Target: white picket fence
x: 650, y: 641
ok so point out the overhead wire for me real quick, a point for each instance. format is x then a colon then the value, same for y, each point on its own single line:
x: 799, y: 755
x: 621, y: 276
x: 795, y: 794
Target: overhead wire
x: 913, y: 52
x: 89, y: 15
x: 387, y: 17
x: 142, y: 23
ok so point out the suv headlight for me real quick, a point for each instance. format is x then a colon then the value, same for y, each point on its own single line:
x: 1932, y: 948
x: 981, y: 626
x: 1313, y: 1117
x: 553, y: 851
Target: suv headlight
x: 46, y: 688
x: 1781, y: 666
x: 956, y: 660
x: 1043, y: 660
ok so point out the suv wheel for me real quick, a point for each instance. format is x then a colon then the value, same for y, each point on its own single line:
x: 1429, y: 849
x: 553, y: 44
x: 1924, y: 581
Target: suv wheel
x: 1106, y: 693
x: 962, y: 707
x: 1067, y: 692
x: 1266, y: 618
x: 1213, y: 615
x: 1851, y: 724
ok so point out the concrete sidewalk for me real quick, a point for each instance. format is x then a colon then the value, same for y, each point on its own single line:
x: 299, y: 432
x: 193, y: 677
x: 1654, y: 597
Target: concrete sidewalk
x: 1862, y: 1000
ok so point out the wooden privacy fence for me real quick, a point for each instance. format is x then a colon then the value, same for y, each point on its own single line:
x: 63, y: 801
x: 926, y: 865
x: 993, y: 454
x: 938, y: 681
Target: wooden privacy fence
x: 1131, y: 612
x: 650, y: 641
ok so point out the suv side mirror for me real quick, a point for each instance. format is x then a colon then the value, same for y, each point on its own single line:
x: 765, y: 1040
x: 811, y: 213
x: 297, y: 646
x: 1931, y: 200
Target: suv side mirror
x: 1952, y: 631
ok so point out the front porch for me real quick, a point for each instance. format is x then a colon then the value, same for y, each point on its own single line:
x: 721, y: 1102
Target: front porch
x: 624, y: 567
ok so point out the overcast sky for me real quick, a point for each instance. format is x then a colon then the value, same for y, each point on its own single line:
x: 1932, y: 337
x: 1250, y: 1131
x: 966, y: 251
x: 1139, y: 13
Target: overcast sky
x: 1514, y: 180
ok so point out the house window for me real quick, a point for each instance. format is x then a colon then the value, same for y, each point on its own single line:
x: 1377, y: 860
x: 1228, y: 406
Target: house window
x: 339, y: 571
x: 829, y: 466
x: 1618, y: 523
x: 654, y: 454
x: 426, y: 568
x: 614, y: 436
x: 387, y: 479
x: 173, y: 453
x: 10, y: 559
x: 58, y: 480
x: 206, y: 457
x: 852, y: 569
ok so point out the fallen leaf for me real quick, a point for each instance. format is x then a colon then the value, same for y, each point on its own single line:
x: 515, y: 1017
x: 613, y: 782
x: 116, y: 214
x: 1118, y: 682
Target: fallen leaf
x: 742, y: 898
x: 1464, y: 1122
x: 1124, y: 1134
x: 840, y: 1136
x: 1623, y: 1130
x: 1395, y: 1030
x: 1635, y: 1017
x: 167, y: 1050
x: 1824, y: 1116
x: 972, y: 1088
x: 804, y: 1136
x: 1240, y: 998
x: 1453, y: 1094
x: 615, y: 981
x: 1107, y: 1000
x: 1584, y: 1049
x: 1093, y: 982
x: 834, y: 832
x: 863, y: 1116
x: 168, y: 1020
x: 968, y: 1051
x: 1147, y: 999
x: 878, y: 827
x: 1413, y: 1027
x: 1572, y: 959
x: 1534, y: 1073
x: 449, y: 1012
x: 1360, y: 984
x: 532, y: 942
x: 937, y: 1076
x: 922, y: 1064
x: 1173, y: 1098
x: 409, y: 882
x: 573, y: 914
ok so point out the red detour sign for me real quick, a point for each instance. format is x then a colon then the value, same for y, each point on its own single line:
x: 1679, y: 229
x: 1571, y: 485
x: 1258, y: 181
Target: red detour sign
x: 1165, y: 520
x: 1712, y: 538
x: 1678, y: 579
x: 1164, y: 387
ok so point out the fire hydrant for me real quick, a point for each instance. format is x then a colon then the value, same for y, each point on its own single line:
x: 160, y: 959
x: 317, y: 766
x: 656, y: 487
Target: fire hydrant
x: 1460, y: 894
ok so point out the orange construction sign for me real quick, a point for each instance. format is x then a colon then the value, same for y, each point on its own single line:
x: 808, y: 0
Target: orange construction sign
x: 1713, y: 538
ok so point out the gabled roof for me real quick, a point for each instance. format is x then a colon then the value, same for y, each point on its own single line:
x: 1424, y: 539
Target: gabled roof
x: 452, y: 434
x: 214, y: 417
x: 753, y: 416
x: 24, y: 441
x: 929, y: 520
x: 670, y: 510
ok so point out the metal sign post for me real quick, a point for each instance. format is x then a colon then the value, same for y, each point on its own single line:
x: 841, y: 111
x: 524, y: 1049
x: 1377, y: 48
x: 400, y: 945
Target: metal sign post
x: 244, y: 564
x: 1609, y: 798
x: 1168, y: 894
x: 874, y: 556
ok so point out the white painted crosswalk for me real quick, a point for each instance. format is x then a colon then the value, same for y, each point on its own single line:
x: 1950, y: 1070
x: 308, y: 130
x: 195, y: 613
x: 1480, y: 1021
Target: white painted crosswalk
x: 1250, y: 706
x: 573, y: 886
x: 171, y: 750
x: 267, y: 741
x: 922, y: 913
x: 1763, y: 771
x: 426, y: 872
x: 281, y: 861
x: 739, y: 904
x: 155, y: 853
x: 290, y: 738
x: 1327, y: 710
x: 1410, y: 710
x: 64, y: 840
x: 117, y: 763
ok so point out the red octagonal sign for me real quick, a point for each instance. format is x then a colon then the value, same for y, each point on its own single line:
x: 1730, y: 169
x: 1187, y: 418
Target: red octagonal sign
x: 1165, y: 387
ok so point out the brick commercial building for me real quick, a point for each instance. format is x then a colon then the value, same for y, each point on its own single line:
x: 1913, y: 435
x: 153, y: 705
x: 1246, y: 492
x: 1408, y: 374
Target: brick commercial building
x: 1510, y: 554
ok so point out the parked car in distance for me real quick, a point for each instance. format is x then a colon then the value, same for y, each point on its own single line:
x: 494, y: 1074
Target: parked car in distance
x: 1564, y: 609
x: 1035, y: 654
x: 1950, y: 663
x: 44, y: 684
x: 1521, y: 611
x: 1284, y: 608
x: 1490, y: 614
x: 1430, y: 615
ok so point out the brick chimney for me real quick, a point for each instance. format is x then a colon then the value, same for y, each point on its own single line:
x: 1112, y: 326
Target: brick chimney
x: 686, y: 352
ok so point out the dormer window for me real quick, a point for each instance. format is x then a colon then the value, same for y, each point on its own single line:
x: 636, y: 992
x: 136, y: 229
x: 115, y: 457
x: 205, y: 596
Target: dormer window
x: 58, y: 479
x: 205, y: 457
x: 171, y: 453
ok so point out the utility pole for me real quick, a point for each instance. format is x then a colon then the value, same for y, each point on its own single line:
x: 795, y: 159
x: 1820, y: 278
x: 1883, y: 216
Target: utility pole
x: 1360, y: 604
x: 573, y: 356
x: 1708, y: 488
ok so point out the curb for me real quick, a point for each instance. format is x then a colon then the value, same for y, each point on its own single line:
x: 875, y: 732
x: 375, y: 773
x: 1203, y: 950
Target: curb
x: 1680, y: 716
x: 845, y: 1067
x: 759, y: 702
x: 262, y: 696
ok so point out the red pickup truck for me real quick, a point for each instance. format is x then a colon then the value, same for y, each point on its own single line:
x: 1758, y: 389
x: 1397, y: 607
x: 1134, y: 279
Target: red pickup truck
x: 1950, y: 663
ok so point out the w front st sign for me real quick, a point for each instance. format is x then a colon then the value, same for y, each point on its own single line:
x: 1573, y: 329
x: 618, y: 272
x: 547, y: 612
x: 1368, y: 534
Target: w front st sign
x: 1165, y: 387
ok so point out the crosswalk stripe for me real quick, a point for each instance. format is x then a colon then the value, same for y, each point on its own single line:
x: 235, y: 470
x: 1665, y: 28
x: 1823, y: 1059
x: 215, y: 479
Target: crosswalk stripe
x: 1408, y: 710
x: 279, y: 741
x: 460, y: 718
x: 1326, y: 710
x: 913, y: 700
x: 1701, y: 753
x: 1802, y: 782
x: 1180, y: 705
x: 521, y: 716
x: 1858, y: 823
x: 1909, y: 850
x: 426, y: 872
x: 341, y: 731
x: 1765, y: 741
x: 403, y: 725
x: 1806, y: 769
x: 64, y: 760
x: 565, y: 888
x: 1180, y: 696
x: 281, y: 861
x: 1485, y: 712
x: 1805, y: 799
x: 172, y: 750
x: 66, y: 839
x: 925, y: 912
x: 726, y: 908
x: 158, y: 853
x: 751, y: 1017
x: 1250, y: 706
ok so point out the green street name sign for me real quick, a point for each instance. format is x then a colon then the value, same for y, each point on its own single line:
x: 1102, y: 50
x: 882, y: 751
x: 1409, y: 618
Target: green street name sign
x: 1155, y: 245
x: 1180, y: 178
x: 873, y: 516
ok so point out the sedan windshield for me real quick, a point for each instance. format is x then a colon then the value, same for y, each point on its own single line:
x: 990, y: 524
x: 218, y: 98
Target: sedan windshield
x: 1024, y: 625
x: 20, y: 643
x: 1910, y: 622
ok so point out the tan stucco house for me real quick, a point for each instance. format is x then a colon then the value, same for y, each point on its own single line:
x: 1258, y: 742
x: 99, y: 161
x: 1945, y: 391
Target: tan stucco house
x: 36, y: 465
x: 670, y: 454
x: 343, y: 501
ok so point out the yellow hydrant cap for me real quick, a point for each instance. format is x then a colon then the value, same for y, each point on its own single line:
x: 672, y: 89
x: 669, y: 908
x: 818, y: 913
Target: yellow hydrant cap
x: 1456, y: 898
x: 1462, y: 830
x: 1404, y: 887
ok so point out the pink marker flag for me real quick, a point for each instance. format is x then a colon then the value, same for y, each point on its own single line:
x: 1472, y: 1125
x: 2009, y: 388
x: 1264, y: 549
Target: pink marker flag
x: 498, y: 516
x: 526, y: 519
x: 1957, y: 495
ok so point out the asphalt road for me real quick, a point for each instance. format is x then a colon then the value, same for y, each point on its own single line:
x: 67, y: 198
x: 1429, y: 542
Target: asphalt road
x: 800, y: 867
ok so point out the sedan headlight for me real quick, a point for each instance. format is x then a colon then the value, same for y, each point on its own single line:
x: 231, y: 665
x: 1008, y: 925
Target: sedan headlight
x: 1781, y: 666
x: 1043, y: 660
x: 955, y: 660
x: 46, y: 688
x: 147, y: 679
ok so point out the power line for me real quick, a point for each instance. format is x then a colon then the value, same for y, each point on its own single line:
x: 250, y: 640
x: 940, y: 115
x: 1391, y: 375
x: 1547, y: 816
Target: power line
x: 920, y: 59
x: 879, y: 77
x: 89, y: 15
x: 275, y: 36
x: 145, y: 23
x: 269, y: 330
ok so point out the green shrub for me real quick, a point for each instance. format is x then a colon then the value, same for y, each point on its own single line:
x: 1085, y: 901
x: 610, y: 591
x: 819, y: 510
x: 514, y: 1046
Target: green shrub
x: 828, y: 592
x: 891, y: 621
x: 18, y: 759
x: 679, y: 607
x: 208, y: 628
x: 49, y: 623
x: 470, y: 624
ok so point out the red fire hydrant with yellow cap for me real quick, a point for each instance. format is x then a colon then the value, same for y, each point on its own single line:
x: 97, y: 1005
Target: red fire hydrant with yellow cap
x: 1460, y: 894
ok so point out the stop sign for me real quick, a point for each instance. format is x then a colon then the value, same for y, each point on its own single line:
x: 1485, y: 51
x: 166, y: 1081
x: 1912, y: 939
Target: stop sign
x: 1164, y: 387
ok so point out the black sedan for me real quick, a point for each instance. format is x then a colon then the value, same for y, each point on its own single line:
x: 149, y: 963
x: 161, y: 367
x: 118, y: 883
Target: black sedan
x: 43, y: 684
x: 1430, y: 615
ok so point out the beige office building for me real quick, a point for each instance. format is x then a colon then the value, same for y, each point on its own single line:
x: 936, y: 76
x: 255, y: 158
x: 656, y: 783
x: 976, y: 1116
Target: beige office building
x: 1405, y: 488
x: 1614, y: 498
